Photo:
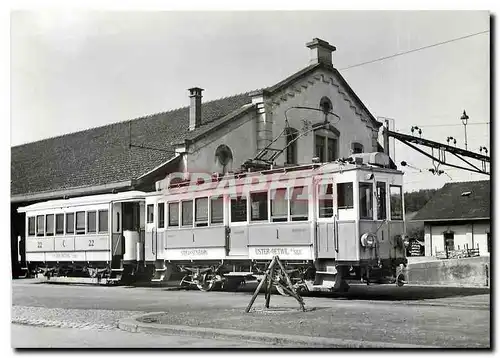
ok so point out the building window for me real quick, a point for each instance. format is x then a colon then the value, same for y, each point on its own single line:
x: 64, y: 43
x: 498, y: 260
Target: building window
x: 279, y: 205
x: 161, y: 215
x: 201, y: 212
x: 345, y: 199
x: 449, y: 241
x: 217, y: 210
x: 326, y: 147
x: 325, y: 104
x: 320, y: 148
x: 365, y: 201
x: 49, y: 225
x: 187, y: 213
x: 356, y: 148
x: 299, y: 204
x: 325, y: 198
x: 80, y: 222
x: 173, y: 214
x: 59, y: 224
x: 396, y: 202
x: 150, y: 213
x: 70, y: 223
x: 258, y: 203
x: 381, y: 200
x: 31, y: 226
x: 91, y: 222
x: 103, y: 221
x: 40, y: 227
x: 332, y: 149
x: 239, y: 209
x: 291, y: 142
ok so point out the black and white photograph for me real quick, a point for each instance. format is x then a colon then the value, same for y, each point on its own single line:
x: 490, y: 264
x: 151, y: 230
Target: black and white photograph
x: 251, y: 179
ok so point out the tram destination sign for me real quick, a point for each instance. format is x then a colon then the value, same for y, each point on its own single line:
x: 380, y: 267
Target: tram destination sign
x: 284, y: 252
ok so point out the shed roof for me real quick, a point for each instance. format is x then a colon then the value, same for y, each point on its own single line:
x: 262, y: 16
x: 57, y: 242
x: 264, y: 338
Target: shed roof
x: 458, y: 201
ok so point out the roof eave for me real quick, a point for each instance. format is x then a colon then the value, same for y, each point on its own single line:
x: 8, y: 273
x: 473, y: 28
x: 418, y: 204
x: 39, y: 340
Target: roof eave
x: 87, y: 190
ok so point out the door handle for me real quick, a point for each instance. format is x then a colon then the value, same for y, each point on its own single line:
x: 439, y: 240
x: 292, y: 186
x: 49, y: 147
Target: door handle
x: 336, y: 233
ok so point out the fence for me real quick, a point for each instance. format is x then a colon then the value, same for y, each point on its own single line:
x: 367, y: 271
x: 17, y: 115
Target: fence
x: 457, y: 254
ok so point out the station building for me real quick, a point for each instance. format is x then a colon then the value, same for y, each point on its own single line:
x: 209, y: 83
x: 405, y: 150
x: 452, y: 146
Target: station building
x: 457, y: 219
x: 210, y: 137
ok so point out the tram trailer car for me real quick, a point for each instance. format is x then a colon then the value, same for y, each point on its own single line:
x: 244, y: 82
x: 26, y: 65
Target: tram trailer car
x: 97, y: 237
x: 328, y: 223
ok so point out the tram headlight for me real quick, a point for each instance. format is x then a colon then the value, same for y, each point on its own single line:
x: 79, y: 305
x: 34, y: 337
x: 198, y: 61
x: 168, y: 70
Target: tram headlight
x: 368, y: 240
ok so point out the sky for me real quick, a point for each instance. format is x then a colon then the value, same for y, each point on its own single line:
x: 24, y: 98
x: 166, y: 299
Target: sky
x: 76, y: 69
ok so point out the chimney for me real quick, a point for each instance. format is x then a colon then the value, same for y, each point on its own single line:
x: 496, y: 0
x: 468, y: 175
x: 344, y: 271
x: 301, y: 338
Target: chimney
x: 195, y: 107
x: 321, y: 52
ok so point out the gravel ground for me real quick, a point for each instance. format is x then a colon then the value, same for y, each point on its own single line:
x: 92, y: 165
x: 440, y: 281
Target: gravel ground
x: 416, y: 326
x: 69, y: 318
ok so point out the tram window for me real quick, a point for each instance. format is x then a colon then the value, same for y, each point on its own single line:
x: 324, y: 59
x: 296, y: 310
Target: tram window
x: 238, y: 209
x: 173, y: 214
x: 40, y: 227
x: 217, y: 210
x: 59, y: 224
x: 345, y: 198
x: 201, y: 211
x: 299, y: 204
x: 80, y: 222
x: 325, y: 198
x: 259, y: 206
x: 187, y: 213
x: 396, y: 203
x: 70, y: 223
x: 279, y: 205
x: 31, y: 226
x: 49, y: 225
x: 161, y: 215
x: 91, y: 222
x: 365, y: 201
x: 103, y: 221
x: 381, y: 200
x: 150, y: 213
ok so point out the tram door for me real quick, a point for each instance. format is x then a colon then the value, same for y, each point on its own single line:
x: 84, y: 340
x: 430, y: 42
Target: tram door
x: 237, y: 237
x: 325, y: 227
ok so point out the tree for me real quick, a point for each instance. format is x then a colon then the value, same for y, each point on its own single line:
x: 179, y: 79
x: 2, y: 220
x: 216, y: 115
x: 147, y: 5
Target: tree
x: 416, y: 200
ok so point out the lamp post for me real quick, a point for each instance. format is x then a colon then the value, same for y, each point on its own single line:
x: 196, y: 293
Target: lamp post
x: 464, y: 119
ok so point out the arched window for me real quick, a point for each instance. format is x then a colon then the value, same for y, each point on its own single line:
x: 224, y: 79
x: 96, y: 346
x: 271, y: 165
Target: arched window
x: 325, y: 104
x: 291, y: 142
x: 224, y: 157
x: 356, y: 148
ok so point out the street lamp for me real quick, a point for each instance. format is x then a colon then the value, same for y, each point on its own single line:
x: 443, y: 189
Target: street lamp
x: 464, y: 119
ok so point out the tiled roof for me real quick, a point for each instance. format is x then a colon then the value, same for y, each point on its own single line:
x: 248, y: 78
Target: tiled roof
x: 452, y: 202
x: 101, y: 155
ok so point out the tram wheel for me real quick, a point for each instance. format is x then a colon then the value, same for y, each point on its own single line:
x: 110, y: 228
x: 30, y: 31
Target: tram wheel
x: 207, y: 282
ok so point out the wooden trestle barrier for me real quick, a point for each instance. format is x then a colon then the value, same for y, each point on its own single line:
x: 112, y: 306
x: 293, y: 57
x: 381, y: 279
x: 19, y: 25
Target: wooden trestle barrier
x: 275, y: 267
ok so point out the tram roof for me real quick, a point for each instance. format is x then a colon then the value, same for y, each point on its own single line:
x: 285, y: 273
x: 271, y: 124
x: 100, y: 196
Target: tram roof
x: 86, y: 200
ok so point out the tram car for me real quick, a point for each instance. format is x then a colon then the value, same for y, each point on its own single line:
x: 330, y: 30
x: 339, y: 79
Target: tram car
x: 99, y: 237
x: 329, y: 224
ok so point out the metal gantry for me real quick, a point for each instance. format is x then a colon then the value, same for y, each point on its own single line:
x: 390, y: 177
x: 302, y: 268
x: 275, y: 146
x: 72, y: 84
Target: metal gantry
x: 438, y: 152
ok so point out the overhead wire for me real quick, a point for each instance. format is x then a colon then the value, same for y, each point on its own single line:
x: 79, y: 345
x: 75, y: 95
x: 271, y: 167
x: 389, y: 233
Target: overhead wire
x: 414, y: 50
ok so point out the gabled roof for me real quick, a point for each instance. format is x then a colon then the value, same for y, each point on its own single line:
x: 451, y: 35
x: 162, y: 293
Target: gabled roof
x: 100, y: 156
x: 458, y: 201
x: 311, y: 68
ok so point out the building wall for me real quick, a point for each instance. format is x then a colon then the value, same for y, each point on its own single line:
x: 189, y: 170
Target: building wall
x: 480, y: 230
x: 239, y: 135
x: 354, y: 124
x: 468, y: 233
